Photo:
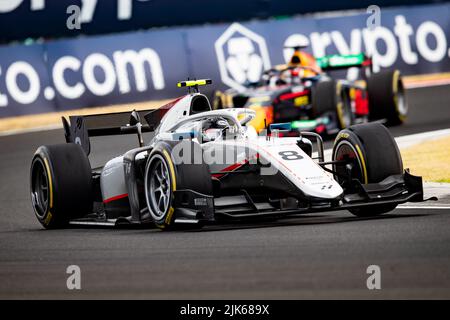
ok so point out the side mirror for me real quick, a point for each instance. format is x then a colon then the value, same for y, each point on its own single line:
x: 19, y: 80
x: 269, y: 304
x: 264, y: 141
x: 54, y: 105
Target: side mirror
x: 134, y: 118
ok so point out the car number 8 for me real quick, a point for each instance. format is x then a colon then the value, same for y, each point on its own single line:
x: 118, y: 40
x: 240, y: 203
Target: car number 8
x: 290, y: 155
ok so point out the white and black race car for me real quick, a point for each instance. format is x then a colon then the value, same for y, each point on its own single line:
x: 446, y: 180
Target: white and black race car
x: 204, y: 166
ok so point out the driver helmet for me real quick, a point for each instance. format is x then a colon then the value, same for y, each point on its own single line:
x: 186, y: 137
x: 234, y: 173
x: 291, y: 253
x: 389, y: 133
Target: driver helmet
x: 212, y: 129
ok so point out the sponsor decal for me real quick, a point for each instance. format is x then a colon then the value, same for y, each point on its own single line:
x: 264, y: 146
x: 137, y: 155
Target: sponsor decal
x: 242, y: 56
x: 139, y: 66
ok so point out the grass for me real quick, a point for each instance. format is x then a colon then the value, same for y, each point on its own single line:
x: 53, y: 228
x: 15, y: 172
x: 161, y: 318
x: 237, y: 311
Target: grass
x: 430, y: 159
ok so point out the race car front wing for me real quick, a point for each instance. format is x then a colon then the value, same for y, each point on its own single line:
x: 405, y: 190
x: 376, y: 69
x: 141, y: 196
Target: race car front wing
x: 193, y: 207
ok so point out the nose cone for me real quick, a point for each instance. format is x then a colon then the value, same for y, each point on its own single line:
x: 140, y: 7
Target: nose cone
x: 300, y: 169
x: 327, y: 190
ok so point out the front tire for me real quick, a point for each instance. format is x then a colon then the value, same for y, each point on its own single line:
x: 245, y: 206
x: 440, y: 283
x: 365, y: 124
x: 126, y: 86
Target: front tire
x: 160, y: 182
x: 174, y: 174
x: 374, y: 156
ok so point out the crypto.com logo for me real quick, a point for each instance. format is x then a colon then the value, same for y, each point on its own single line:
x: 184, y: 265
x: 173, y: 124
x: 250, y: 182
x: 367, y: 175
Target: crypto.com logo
x: 242, y: 55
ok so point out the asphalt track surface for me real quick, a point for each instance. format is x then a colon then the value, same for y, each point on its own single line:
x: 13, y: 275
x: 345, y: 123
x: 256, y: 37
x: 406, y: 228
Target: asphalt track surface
x: 309, y: 256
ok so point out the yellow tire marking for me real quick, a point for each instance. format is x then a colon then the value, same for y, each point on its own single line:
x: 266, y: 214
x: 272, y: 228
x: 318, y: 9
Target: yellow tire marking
x: 50, y: 184
x: 338, y: 88
x: 395, y: 80
x: 169, y: 215
x: 395, y: 89
x: 339, y: 105
x: 174, y: 185
x: 172, y: 170
x: 343, y: 135
x: 340, y: 114
x: 363, y: 163
x: 48, y: 218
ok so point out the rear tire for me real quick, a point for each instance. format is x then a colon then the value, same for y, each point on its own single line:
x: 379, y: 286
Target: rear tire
x: 386, y: 96
x: 329, y: 96
x: 60, y: 184
x: 375, y: 156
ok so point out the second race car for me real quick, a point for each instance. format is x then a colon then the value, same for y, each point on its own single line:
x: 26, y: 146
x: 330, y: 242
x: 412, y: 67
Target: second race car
x: 301, y: 92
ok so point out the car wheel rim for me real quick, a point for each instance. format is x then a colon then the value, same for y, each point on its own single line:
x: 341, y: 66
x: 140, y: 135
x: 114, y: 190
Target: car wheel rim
x: 159, y: 188
x: 39, y: 188
x: 345, y: 151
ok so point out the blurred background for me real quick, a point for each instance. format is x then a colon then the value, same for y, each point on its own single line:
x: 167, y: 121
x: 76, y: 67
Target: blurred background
x: 63, y: 55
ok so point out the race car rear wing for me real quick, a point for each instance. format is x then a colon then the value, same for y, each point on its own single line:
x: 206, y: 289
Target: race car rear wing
x: 341, y: 61
x: 80, y: 128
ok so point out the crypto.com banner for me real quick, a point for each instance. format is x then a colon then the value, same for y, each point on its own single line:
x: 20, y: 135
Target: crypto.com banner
x: 146, y: 65
x: 109, y: 16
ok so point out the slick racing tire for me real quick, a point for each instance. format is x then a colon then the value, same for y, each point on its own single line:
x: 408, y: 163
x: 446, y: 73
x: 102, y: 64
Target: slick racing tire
x: 386, y: 96
x: 330, y: 97
x: 60, y: 184
x: 374, y: 155
x: 163, y: 176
